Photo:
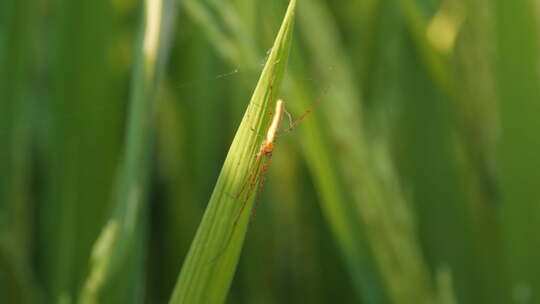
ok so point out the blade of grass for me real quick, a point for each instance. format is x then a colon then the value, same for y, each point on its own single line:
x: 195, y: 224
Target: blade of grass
x: 209, y: 266
x: 367, y: 168
x: 123, y: 274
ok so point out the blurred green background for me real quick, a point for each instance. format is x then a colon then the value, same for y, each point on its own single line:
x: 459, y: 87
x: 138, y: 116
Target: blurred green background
x: 415, y: 180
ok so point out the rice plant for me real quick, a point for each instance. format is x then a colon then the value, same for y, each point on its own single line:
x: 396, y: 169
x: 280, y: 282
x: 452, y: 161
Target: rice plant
x: 146, y: 158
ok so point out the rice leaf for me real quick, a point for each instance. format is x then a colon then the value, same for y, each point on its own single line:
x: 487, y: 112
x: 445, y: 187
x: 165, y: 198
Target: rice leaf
x: 211, y: 261
x: 120, y: 267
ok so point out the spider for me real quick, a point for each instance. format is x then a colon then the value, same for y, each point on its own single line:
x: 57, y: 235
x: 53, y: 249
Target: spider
x: 258, y: 170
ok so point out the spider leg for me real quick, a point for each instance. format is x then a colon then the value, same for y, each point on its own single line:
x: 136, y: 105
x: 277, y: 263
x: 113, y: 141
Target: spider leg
x: 251, y: 179
x: 299, y: 120
x: 264, y: 171
x: 290, y: 117
x: 251, y: 187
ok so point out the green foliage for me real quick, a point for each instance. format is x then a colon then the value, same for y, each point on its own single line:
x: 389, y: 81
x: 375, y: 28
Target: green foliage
x: 412, y: 181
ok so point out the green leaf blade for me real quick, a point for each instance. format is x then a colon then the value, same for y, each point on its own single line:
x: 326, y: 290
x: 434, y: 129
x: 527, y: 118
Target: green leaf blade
x: 211, y: 262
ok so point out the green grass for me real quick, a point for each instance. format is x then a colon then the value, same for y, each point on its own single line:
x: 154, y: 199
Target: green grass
x: 412, y: 181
